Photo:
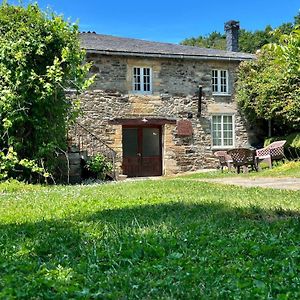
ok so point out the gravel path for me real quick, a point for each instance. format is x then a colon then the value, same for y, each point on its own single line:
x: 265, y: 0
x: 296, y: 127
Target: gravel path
x: 264, y: 182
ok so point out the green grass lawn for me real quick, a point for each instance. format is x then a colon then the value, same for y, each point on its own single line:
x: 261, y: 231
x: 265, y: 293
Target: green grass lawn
x: 165, y: 239
x: 290, y: 169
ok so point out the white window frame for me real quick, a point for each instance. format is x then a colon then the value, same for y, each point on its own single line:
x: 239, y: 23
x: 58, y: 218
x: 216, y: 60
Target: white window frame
x: 141, y: 91
x: 222, y: 132
x: 219, y: 92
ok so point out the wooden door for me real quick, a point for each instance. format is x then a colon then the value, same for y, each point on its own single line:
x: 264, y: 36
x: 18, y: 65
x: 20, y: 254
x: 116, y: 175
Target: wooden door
x: 142, y: 151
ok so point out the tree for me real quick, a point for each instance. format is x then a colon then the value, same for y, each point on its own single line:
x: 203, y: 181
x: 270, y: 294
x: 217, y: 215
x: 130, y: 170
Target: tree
x: 40, y: 57
x: 269, y: 88
x: 215, y: 40
x: 248, y: 41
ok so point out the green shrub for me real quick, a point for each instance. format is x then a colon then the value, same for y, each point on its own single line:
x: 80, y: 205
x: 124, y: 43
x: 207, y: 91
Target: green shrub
x: 22, y: 169
x: 268, y: 88
x: 99, y: 165
x: 40, y: 58
x: 292, y: 145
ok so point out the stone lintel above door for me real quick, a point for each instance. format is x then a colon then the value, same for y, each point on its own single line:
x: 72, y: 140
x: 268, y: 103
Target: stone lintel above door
x: 143, y: 121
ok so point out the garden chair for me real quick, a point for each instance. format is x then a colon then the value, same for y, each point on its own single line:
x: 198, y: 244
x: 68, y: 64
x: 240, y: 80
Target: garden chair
x: 243, y: 157
x: 225, y: 159
x: 274, y: 151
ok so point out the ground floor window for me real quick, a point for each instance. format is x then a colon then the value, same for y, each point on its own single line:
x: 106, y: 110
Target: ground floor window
x: 223, y: 131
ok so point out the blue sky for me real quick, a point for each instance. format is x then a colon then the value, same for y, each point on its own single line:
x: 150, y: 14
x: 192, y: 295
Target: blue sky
x: 171, y: 21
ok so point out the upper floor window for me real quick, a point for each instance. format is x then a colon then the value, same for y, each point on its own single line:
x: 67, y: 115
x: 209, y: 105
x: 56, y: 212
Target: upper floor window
x: 222, y: 131
x: 142, y: 81
x: 220, y: 82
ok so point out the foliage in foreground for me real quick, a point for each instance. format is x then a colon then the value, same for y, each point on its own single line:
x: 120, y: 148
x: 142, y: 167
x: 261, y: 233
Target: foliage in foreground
x: 40, y: 57
x: 179, y: 240
x: 269, y: 87
x: 10, y: 164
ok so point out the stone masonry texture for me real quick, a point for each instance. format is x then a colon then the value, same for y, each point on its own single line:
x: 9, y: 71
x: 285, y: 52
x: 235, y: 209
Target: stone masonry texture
x: 175, y: 96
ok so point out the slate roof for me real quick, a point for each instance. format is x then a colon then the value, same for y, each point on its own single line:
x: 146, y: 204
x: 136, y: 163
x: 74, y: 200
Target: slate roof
x: 108, y: 44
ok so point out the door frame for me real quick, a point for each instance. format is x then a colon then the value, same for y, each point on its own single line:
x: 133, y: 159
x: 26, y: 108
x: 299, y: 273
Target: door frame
x: 140, y: 146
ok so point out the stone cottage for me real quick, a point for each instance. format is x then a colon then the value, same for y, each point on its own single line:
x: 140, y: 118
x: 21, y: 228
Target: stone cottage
x: 163, y: 108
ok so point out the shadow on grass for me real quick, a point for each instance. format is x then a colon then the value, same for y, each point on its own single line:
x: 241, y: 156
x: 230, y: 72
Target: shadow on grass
x: 172, y: 250
x: 180, y: 214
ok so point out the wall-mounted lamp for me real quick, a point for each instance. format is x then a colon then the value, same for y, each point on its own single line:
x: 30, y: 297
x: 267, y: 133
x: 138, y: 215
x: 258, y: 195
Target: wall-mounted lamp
x: 144, y: 120
x: 199, y: 100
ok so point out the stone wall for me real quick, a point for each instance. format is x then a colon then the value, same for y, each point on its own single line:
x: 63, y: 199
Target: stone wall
x: 175, y: 95
x: 170, y: 76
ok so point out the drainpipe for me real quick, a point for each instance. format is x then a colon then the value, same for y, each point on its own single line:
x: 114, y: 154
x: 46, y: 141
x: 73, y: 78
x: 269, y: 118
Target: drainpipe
x: 199, y: 101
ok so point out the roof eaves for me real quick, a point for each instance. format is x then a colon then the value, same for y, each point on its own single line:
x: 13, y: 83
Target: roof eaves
x: 164, y: 55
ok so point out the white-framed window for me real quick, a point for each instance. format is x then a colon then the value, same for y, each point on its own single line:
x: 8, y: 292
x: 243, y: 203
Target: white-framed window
x: 223, y: 134
x: 142, y: 80
x: 219, y: 81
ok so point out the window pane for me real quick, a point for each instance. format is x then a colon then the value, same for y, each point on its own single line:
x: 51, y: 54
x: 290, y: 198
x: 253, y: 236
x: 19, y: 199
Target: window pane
x: 130, y: 142
x: 228, y: 142
x: 147, y: 79
x: 217, y: 142
x: 222, y: 130
x: 151, y: 142
x: 219, y: 81
x: 217, y: 130
x: 142, y: 79
x: 217, y: 119
x: 223, y: 81
x: 227, y: 119
x: 214, y: 78
x: 217, y: 135
x: 137, y: 79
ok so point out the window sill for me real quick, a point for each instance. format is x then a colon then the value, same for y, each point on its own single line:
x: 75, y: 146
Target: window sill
x: 221, y: 94
x: 222, y: 147
x: 140, y: 93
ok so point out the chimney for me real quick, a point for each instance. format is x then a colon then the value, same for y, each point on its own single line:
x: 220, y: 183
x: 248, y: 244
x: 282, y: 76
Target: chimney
x: 232, y: 35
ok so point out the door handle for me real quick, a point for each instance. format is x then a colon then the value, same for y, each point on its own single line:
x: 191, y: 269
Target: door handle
x: 139, y: 154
